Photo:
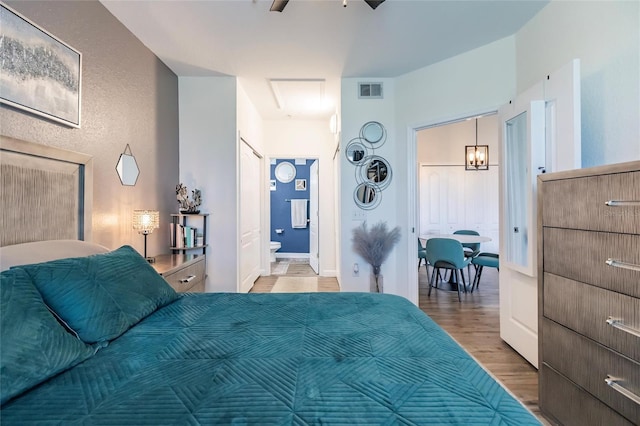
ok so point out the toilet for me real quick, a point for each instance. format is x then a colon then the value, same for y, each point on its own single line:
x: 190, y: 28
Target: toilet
x: 274, y: 246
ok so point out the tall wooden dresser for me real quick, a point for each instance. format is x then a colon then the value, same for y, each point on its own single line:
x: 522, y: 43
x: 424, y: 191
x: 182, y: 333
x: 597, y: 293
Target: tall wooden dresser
x: 589, y: 295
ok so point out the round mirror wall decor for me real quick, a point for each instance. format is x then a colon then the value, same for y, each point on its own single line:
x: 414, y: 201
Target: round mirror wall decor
x: 374, y: 133
x: 366, y: 196
x: 376, y: 171
x: 356, y: 152
x: 372, y: 172
x: 285, y: 172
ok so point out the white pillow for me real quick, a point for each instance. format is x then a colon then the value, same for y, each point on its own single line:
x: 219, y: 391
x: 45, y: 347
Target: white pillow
x: 44, y: 251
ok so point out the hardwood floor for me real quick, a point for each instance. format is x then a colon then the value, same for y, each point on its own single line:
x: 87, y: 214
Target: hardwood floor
x: 473, y: 323
x: 295, y: 268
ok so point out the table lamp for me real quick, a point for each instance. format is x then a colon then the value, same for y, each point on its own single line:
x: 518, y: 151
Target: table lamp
x: 145, y: 221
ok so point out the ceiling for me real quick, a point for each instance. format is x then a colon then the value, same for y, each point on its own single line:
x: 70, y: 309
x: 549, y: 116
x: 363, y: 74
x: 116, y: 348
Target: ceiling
x: 313, y: 41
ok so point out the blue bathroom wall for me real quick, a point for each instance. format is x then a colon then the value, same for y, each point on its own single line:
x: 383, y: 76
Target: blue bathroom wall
x: 292, y: 240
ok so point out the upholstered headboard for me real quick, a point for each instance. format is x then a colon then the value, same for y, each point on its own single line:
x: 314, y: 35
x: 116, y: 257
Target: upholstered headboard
x: 46, y: 193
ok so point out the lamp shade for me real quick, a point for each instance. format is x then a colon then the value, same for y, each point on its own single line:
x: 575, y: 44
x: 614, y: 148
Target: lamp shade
x: 145, y: 221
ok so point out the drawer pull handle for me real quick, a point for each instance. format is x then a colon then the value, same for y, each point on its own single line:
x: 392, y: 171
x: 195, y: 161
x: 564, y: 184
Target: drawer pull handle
x: 186, y: 280
x: 613, y: 382
x: 617, y: 323
x: 623, y: 265
x: 620, y: 203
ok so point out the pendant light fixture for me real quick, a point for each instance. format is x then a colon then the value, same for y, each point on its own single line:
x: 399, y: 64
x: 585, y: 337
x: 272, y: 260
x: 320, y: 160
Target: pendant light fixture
x: 476, y: 157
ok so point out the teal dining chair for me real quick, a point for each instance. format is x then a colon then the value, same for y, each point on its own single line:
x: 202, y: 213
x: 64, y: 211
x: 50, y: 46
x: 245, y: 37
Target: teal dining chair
x: 445, y: 253
x: 422, y: 255
x: 471, y: 250
x: 492, y: 260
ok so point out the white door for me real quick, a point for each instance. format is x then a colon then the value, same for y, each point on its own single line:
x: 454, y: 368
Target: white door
x: 250, y: 166
x: 452, y: 198
x: 540, y: 133
x: 314, y: 254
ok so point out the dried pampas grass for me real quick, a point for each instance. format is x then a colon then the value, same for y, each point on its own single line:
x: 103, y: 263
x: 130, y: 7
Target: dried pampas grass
x: 374, y: 245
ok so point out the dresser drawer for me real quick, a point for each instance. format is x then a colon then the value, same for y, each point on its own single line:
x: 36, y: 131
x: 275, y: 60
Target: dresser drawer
x: 585, y: 309
x: 582, y: 256
x: 588, y: 364
x: 579, y: 203
x: 571, y: 406
x: 190, y: 278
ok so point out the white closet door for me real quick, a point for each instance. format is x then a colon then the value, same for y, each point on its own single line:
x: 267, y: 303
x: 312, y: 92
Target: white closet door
x: 250, y: 166
x: 452, y: 198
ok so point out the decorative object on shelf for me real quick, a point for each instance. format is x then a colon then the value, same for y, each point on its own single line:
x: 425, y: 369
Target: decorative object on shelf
x: 188, y: 206
x: 127, y: 167
x: 476, y: 157
x: 40, y: 73
x: 145, y: 221
x: 374, y: 245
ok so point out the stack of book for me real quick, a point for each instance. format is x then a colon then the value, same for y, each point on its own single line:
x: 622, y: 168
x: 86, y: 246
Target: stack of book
x: 181, y: 236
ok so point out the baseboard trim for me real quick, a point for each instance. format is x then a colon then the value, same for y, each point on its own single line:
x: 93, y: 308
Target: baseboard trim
x: 292, y: 255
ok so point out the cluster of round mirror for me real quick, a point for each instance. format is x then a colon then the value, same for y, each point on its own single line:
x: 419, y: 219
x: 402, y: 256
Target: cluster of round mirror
x: 373, y: 173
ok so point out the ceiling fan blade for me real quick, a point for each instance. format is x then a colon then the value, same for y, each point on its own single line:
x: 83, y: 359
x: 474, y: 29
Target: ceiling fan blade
x: 278, y: 5
x: 374, y: 3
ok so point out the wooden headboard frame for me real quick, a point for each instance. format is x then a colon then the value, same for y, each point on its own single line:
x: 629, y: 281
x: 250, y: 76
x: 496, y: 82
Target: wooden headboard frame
x: 46, y: 194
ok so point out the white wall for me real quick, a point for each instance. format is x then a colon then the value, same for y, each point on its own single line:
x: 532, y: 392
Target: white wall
x: 249, y: 120
x: 474, y: 82
x: 307, y: 139
x: 355, y: 113
x: 605, y: 36
x: 444, y: 145
x: 208, y: 161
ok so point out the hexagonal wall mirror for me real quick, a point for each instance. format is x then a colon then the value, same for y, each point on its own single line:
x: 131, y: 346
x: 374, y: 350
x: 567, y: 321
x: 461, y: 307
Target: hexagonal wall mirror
x: 127, y: 168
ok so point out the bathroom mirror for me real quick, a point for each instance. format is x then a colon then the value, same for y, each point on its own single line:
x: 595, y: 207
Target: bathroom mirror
x: 285, y: 172
x: 127, y: 168
x: 366, y: 196
x: 374, y: 133
x: 376, y: 171
x: 356, y: 152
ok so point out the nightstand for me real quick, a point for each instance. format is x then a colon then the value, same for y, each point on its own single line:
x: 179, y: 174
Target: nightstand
x: 183, y: 272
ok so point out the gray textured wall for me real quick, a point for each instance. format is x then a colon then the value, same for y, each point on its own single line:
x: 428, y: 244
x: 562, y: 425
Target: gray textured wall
x: 128, y: 97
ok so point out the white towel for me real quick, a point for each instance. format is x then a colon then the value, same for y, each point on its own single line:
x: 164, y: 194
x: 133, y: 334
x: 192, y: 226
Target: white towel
x: 299, y: 213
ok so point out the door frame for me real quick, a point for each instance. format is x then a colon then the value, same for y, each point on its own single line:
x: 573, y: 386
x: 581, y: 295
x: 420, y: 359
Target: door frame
x: 412, y: 186
x: 266, y: 269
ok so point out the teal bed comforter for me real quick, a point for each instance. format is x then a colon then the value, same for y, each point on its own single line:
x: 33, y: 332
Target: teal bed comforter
x: 291, y: 359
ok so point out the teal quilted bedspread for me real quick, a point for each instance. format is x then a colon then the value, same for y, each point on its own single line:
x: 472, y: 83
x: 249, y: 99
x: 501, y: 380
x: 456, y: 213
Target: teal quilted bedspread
x: 284, y: 359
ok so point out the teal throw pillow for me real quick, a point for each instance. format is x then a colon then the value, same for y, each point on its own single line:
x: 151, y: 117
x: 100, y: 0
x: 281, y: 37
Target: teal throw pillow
x: 103, y: 295
x: 33, y: 345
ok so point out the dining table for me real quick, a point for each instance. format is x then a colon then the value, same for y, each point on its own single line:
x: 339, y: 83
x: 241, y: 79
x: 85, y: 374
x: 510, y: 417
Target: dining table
x: 462, y: 238
x: 450, y: 284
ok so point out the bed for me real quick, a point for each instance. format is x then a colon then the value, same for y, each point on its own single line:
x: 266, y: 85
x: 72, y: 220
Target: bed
x: 95, y: 336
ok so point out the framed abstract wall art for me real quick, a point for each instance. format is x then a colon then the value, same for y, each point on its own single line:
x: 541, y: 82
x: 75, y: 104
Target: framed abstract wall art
x: 39, y: 73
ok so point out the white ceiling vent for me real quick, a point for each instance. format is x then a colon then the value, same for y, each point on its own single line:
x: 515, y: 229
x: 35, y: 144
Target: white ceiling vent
x: 370, y: 90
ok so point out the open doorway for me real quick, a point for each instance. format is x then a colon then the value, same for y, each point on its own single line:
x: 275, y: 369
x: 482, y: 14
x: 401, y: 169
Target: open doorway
x: 448, y: 197
x: 293, y: 211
